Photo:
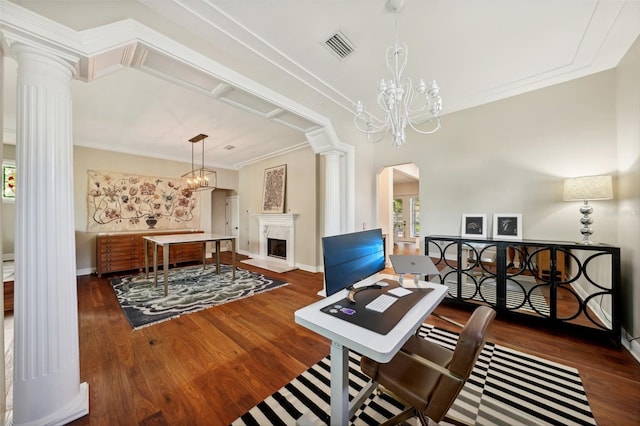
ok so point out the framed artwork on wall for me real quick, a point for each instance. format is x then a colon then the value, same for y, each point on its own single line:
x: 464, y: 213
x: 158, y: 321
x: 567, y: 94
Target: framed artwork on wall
x: 275, y: 179
x: 131, y: 202
x: 474, y: 226
x: 507, y: 226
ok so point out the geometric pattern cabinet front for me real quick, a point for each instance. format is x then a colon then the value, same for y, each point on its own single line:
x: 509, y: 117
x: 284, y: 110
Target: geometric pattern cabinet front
x: 558, y: 284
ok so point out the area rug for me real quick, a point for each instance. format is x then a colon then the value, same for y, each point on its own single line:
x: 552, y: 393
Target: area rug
x: 506, y: 387
x: 191, y: 289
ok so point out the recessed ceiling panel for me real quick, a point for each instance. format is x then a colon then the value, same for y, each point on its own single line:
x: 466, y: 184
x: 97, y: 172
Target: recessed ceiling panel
x: 248, y: 102
x: 294, y: 120
x: 179, y: 71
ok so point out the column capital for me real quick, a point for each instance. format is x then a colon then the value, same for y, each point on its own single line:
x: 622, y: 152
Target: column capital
x: 23, y: 53
x: 332, y: 153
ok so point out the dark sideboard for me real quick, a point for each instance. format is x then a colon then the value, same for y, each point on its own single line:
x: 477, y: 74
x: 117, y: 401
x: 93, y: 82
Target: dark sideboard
x: 559, y: 284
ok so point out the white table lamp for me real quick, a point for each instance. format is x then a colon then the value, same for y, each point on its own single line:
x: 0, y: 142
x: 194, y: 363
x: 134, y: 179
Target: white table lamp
x: 587, y: 188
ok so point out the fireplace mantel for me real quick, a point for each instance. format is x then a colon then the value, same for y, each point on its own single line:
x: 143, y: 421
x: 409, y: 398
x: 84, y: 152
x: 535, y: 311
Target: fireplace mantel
x: 285, y: 222
x: 285, y: 219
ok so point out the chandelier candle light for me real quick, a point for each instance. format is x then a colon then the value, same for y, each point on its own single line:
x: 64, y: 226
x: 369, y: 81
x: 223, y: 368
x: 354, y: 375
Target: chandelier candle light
x: 201, y: 178
x: 587, y: 188
x: 397, y: 96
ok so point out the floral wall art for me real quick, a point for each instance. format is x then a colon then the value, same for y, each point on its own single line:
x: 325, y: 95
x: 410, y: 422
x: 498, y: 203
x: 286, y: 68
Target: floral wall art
x: 126, y: 202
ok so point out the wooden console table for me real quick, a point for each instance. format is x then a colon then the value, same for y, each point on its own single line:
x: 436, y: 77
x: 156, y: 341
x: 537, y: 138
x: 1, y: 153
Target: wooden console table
x: 561, y: 284
x: 116, y: 252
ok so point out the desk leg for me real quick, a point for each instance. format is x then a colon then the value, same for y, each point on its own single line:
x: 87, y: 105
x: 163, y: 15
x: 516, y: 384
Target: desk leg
x: 204, y: 255
x: 155, y: 264
x: 217, y: 256
x: 146, y: 258
x: 233, y: 257
x: 339, y: 384
x: 165, y: 259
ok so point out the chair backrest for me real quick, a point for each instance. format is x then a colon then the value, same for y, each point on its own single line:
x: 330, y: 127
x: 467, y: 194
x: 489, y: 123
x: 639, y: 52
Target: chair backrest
x: 466, y: 353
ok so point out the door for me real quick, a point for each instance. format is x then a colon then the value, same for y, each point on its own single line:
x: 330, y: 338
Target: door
x: 232, y: 219
x: 406, y: 218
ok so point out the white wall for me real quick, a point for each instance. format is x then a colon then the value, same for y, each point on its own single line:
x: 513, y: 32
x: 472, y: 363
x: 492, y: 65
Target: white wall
x: 301, y: 198
x: 511, y: 156
x: 628, y: 188
x: 385, y: 210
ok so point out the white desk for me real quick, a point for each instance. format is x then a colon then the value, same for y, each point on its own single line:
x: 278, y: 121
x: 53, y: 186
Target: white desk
x: 345, y: 335
x: 166, y: 240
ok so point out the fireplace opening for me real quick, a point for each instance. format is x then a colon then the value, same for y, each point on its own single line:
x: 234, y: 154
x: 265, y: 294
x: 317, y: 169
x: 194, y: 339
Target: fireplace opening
x: 277, y: 248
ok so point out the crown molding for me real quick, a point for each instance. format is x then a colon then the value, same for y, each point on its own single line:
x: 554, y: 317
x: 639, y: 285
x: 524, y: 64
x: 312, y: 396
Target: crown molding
x: 99, y: 51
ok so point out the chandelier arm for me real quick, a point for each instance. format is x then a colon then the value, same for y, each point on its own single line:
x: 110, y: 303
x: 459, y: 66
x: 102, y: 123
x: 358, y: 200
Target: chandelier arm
x: 379, y: 138
x: 383, y: 101
x: 369, y: 124
x: 402, y: 51
x: 426, y: 132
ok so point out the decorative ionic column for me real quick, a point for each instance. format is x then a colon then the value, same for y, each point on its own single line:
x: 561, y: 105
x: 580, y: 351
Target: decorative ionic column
x: 47, y: 388
x: 333, y: 194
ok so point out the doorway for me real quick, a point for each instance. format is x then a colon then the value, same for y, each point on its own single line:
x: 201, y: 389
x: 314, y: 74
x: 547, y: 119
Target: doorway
x: 232, y: 216
x: 399, y: 201
x: 406, y: 218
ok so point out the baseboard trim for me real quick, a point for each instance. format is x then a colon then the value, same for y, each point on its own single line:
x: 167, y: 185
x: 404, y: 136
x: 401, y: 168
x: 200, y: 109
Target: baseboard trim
x: 632, y: 346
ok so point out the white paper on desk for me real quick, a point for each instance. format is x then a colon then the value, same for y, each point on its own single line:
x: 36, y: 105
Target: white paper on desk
x: 399, y: 291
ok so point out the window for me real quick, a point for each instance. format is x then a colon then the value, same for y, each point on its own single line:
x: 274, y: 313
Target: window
x: 8, y: 181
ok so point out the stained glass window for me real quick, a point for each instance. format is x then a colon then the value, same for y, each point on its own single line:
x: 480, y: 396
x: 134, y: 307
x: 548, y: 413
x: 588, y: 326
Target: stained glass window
x: 8, y: 181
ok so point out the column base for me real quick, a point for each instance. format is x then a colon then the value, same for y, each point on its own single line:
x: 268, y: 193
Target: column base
x: 78, y: 407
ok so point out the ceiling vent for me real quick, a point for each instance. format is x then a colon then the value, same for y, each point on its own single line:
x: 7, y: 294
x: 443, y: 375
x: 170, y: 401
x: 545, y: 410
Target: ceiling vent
x: 340, y: 45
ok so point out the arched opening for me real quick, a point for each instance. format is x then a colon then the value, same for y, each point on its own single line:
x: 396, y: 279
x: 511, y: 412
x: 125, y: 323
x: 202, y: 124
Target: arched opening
x: 399, y: 208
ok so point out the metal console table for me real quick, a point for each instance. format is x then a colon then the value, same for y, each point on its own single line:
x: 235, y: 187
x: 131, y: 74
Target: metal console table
x: 562, y: 284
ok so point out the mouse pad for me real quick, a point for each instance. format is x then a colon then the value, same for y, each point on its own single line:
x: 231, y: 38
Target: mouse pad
x: 380, y: 322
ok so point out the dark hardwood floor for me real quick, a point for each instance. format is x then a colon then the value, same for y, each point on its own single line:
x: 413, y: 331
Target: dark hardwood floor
x: 209, y: 367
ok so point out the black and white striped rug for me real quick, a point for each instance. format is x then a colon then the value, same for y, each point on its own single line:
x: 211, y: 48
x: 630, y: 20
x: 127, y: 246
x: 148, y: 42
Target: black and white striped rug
x: 520, y: 296
x: 506, y: 387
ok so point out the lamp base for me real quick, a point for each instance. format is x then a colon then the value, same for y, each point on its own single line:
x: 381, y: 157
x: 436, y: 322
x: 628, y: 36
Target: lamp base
x: 586, y: 221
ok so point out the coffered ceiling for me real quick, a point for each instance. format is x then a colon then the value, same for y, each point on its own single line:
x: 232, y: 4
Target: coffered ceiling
x: 152, y: 103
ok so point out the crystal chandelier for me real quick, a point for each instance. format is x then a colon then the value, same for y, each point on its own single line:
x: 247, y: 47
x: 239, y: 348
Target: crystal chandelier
x: 401, y: 103
x: 201, y: 178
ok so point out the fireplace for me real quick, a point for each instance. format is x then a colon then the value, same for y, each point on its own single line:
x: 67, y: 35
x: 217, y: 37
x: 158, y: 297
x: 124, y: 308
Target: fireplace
x: 277, y: 248
x: 277, y: 238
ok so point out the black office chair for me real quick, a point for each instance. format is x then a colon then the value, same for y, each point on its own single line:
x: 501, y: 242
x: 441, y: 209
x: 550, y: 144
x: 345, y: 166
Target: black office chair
x: 427, y: 377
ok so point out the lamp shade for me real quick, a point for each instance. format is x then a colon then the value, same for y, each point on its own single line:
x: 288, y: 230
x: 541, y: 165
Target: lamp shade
x: 588, y: 188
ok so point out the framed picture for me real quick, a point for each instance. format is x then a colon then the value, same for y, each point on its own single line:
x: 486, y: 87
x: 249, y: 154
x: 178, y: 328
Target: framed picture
x: 275, y: 179
x: 507, y: 226
x: 474, y: 226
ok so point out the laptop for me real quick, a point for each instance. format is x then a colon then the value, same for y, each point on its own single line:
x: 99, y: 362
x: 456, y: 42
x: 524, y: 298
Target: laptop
x: 416, y: 265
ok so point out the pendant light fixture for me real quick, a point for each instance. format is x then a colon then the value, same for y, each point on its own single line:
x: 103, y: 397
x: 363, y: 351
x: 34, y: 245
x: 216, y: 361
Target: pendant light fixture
x: 402, y: 103
x: 201, y: 178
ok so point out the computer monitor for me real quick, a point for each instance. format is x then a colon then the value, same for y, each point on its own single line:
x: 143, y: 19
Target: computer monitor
x: 351, y: 258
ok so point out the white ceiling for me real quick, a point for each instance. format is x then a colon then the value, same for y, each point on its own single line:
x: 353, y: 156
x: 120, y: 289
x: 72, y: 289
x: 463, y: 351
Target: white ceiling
x: 478, y: 51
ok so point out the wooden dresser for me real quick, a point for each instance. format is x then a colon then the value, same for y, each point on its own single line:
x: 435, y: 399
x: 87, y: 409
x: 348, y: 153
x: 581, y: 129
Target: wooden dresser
x: 125, y: 251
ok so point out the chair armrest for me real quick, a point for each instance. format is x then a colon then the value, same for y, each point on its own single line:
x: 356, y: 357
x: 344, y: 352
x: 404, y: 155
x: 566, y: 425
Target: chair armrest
x: 432, y: 365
